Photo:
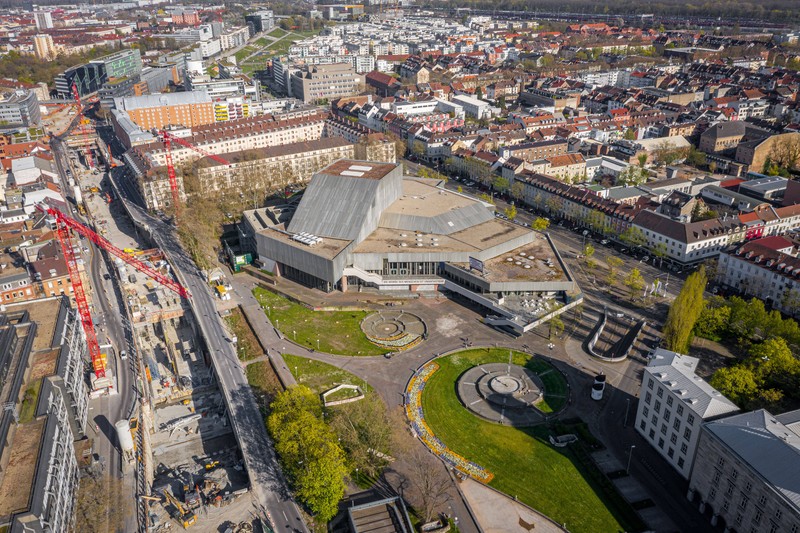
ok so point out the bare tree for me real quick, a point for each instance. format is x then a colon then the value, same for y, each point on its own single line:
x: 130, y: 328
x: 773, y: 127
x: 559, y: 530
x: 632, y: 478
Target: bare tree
x: 431, y: 481
x: 102, y: 504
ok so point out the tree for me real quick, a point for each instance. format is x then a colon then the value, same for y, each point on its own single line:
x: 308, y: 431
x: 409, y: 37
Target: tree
x: 773, y: 364
x: 633, y: 237
x: 430, y: 479
x: 310, y: 454
x: 101, y: 504
x: 479, y: 93
x: 554, y: 204
x: 418, y: 149
x: 684, y: 312
x: 642, y: 159
x: 556, y: 327
x: 737, y: 383
x: 786, y: 151
x: 486, y: 198
x: 596, y: 221
x: 500, y: 184
x: 632, y: 176
x: 510, y: 212
x: 517, y: 190
x: 712, y: 320
x: 365, y: 433
x: 613, y: 263
x: 588, y: 251
x: 695, y: 157
x: 629, y: 135
x: 634, y: 281
x: 540, y: 224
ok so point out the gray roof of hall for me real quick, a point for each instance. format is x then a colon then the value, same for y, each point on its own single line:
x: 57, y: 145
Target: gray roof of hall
x: 767, y: 446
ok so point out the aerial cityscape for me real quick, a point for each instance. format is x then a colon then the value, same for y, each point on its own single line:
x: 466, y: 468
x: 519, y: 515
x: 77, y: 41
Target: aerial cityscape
x: 402, y: 266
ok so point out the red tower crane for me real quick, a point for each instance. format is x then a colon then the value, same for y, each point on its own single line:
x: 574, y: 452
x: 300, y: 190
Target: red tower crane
x: 168, y: 139
x: 63, y: 226
x: 81, y: 128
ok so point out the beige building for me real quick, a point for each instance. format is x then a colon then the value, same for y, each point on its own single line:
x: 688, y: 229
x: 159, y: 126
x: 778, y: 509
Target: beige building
x: 188, y: 109
x: 325, y: 82
x: 776, y: 148
x: 270, y: 169
x: 44, y: 47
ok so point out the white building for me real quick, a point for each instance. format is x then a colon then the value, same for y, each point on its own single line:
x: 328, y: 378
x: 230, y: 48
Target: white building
x: 673, y: 404
x: 44, y: 20
x: 475, y: 107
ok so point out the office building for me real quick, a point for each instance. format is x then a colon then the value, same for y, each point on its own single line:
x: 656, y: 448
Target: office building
x: 746, y: 473
x: 262, y: 21
x: 20, y: 108
x: 90, y: 77
x: 325, y: 82
x: 673, y: 404
x: 188, y: 109
x: 42, y: 347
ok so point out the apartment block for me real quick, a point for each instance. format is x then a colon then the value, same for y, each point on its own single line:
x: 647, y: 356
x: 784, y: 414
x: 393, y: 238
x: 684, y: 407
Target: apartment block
x: 325, y: 82
x: 20, y: 108
x: 673, y: 404
x: 745, y: 472
x: 42, y: 347
x: 44, y: 47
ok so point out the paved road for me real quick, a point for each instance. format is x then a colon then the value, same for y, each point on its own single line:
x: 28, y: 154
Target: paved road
x: 267, y: 481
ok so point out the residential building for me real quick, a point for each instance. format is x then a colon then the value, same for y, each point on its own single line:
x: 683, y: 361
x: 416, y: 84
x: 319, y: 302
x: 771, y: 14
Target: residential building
x: 325, y: 82
x: 271, y: 169
x: 43, y: 346
x: 15, y: 281
x: 20, y: 108
x: 745, y: 472
x: 43, y: 19
x: 44, y: 47
x: 537, y: 150
x: 722, y: 137
x: 673, y: 404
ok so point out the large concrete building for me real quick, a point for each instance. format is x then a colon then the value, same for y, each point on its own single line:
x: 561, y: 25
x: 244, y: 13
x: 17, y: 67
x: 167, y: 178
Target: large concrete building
x: 42, y: 349
x: 747, y: 473
x: 90, y: 77
x: 364, y: 224
x: 20, y: 108
x: 325, y: 82
x: 673, y: 404
x: 188, y: 109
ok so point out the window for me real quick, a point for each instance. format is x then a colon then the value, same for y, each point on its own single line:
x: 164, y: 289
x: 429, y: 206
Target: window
x: 684, y: 448
x: 762, y: 500
x: 652, y: 434
x: 647, y: 398
x: 680, y: 410
x: 673, y: 438
x: 712, y: 493
x: 726, y: 505
x: 773, y: 527
x: 716, y: 476
x: 778, y: 514
x: 660, y: 392
x: 729, y: 490
x: 666, y: 415
x: 687, y: 434
x: 680, y: 462
x: 677, y: 424
x: 643, y: 425
x: 721, y: 462
x: 743, y: 502
x: 654, y: 420
x: 663, y: 429
x: 748, y: 486
x: 738, y: 518
x: 645, y: 412
x: 650, y: 383
x: 657, y: 407
x: 670, y: 453
x: 757, y: 517
x: 670, y: 399
x: 661, y: 443
x: 690, y: 420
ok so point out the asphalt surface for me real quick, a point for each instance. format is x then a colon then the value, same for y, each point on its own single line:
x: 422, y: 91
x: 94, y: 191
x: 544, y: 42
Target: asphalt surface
x: 267, y: 482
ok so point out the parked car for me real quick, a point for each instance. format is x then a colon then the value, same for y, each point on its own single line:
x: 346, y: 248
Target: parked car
x: 604, y: 242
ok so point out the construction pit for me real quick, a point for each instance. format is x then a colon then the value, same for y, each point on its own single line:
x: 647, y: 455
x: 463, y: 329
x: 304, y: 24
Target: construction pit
x: 184, y: 424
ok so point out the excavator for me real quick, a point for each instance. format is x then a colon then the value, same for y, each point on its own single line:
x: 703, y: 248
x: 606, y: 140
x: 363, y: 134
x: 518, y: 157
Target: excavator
x: 184, y: 516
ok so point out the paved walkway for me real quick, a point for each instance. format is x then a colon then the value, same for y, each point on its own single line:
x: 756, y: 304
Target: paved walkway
x: 497, y: 513
x: 267, y: 336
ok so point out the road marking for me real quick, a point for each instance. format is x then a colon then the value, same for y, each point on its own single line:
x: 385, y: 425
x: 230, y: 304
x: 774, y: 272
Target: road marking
x: 284, y: 516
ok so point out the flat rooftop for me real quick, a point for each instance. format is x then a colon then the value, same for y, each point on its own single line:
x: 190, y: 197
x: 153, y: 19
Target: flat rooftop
x: 535, y: 261
x: 359, y: 169
x: 17, y: 478
x: 427, y: 200
x: 327, y: 248
x: 45, y: 314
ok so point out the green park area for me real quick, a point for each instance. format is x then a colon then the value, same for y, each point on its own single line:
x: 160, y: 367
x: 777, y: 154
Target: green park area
x: 336, y: 332
x: 319, y: 376
x: 559, y: 482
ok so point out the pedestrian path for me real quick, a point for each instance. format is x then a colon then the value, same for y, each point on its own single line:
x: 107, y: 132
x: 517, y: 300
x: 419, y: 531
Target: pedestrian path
x: 267, y: 336
x: 497, y: 513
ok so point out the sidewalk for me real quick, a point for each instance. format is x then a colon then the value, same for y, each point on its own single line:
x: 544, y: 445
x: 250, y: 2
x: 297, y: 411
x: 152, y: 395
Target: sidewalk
x: 497, y: 513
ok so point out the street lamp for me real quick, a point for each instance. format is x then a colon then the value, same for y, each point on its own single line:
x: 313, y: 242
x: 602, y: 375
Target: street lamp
x: 630, y: 454
x: 317, y: 344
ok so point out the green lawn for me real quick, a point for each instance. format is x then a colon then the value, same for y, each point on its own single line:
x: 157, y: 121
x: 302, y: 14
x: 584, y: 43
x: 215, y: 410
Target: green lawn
x: 263, y: 41
x: 319, y: 376
x: 29, y: 401
x: 338, y: 332
x: 281, y: 47
x: 277, y: 32
x: 263, y: 381
x: 247, y: 345
x: 549, y: 479
x: 244, y: 52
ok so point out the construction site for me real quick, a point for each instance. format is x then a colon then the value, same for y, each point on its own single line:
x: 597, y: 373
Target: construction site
x: 180, y: 440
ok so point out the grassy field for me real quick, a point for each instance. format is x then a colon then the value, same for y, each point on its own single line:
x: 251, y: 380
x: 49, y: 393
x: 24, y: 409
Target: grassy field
x: 338, y: 332
x: 319, y: 376
x: 277, y: 32
x: 29, y: 402
x: 264, y: 382
x: 247, y: 345
x: 549, y: 479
